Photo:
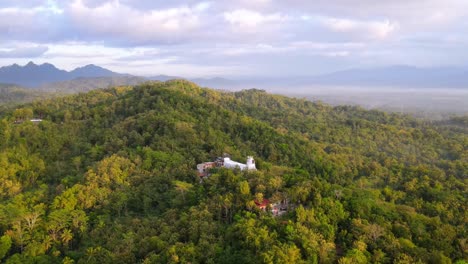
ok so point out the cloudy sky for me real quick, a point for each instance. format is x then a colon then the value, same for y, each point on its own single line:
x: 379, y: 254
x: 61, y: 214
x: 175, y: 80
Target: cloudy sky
x: 234, y: 38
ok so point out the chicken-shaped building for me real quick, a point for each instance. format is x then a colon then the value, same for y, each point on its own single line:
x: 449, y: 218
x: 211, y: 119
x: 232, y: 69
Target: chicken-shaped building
x: 225, y: 162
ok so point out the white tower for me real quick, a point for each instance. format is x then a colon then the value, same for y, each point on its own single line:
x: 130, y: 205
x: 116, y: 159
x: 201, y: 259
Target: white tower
x: 250, y: 163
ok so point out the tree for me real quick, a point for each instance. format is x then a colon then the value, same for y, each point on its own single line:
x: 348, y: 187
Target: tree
x: 244, y: 188
x: 182, y: 187
x: 22, y: 114
x: 66, y: 236
x: 5, y: 244
x: 373, y: 232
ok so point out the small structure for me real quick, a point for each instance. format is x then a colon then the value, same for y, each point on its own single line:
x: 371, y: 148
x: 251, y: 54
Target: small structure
x: 263, y: 205
x: 203, y: 168
x: 36, y: 120
x: 279, y: 208
x: 225, y: 162
x: 276, y: 209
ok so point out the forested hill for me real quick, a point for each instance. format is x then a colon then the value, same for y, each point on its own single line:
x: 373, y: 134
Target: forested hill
x: 11, y: 94
x: 110, y: 177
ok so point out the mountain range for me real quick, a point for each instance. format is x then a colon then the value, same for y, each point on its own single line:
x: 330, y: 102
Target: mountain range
x: 33, y: 76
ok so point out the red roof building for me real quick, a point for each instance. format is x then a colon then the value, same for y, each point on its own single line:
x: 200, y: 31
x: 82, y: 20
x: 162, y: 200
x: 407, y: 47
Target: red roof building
x: 203, y: 168
x: 262, y: 205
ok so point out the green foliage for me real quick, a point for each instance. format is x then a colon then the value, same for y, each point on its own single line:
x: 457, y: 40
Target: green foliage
x: 110, y: 177
x: 5, y: 244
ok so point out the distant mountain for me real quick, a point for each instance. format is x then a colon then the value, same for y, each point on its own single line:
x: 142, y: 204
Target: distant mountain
x: 33, y: 75
x: 395, y: 76
x: 92, y: 70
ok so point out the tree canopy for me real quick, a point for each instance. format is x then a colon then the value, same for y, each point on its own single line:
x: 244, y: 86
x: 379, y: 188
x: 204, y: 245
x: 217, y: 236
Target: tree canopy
x: 110, y: 176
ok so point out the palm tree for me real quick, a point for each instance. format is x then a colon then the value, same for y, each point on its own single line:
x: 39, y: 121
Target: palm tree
x: 66, y: 236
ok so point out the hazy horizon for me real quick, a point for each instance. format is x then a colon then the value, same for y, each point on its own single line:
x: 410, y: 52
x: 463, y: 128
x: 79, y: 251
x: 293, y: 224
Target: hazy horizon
x: 430, y: 103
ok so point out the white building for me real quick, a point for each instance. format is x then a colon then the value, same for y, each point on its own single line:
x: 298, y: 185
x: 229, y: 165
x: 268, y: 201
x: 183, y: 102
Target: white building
x: 230, y: 164
x: 226, y: 162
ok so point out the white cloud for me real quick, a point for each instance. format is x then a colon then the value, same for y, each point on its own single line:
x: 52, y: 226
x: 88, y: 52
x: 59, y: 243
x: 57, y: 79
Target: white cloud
x: 251, y: 19
x: 118, y: 21
x: 342, y: 53
x: 53, y: 7
x: 202, y: 6
x: 301, y: 48
x: 257, y: 49
x: 22, y: 51
x: 29, y: 24
x: 50, y: 7
x: 372, y: 29
x: 138, y: 61
x: 311, y: 45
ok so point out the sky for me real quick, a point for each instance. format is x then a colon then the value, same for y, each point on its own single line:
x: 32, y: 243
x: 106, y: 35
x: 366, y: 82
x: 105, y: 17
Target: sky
x: 234, y: 39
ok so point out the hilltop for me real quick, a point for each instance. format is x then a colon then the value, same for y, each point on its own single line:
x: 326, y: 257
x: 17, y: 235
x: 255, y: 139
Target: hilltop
x: 110, y: 176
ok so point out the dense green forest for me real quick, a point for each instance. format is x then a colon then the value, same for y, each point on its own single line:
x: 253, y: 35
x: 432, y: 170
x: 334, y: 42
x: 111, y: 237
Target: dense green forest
x: 110, y: 177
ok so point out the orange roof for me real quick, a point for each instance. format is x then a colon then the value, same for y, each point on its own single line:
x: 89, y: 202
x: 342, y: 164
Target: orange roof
x: 264, y: 203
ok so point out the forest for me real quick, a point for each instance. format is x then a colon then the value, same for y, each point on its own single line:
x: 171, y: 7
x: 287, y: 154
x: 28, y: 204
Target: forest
x: 109, y: 176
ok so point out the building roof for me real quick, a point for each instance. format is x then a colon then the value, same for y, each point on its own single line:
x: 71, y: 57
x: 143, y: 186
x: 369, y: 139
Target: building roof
x: 264, y: 203
x: 228, y: 163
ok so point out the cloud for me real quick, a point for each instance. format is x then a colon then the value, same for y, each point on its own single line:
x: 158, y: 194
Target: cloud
x: 123, y: 23
x: 305, y: 48
x: 362, y: 9
x: 251, y: 50
x: 342, y: 53
x: 23, y: 52
x: 50, y: 7
x: 237, y: 37
x: 371, y: 29
x: 311, y: 45
x: 21, y: 3
x: 30, y: 23
x: 250, y: 19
